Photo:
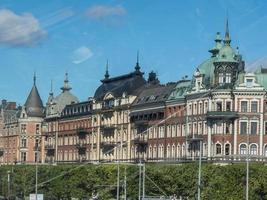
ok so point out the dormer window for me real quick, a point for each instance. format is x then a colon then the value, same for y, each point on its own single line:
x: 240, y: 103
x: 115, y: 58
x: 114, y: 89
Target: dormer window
x: 249, y: 82
x: 228, y: 78
x: 221, y: 78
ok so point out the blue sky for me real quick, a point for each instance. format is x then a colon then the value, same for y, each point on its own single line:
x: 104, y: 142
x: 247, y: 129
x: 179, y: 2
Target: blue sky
x: 78, y: 36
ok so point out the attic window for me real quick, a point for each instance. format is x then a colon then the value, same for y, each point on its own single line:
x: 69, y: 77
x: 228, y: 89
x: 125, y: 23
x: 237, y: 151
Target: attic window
x: 249, y: 82
x: 223, y: 56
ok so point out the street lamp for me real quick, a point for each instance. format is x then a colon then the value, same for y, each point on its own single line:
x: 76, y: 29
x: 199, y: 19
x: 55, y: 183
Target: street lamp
x: 8, y: 185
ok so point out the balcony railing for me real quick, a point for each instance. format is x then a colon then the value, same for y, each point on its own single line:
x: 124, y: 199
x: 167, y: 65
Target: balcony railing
x: 49, y: 146
x: 214, y: 115
x: 37, y: 148
x: 108, y: 129
x: 82, y: 132
x: 108, y: 144
x: 81, y: 148
x: 140, y: 141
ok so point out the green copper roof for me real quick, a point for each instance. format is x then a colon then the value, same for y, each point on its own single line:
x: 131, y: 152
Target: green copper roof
x: 207, y: 68
x: 179, y: 90
x: 227, y: 54
x: 261, y: 77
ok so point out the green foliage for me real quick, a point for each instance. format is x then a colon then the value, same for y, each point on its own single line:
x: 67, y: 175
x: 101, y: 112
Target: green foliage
x: 66, y: 181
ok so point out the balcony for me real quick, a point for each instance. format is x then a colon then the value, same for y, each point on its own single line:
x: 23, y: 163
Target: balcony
x: 219, y: 115
x: 82, y: 133
x: 108, y: 144
x: 140, y: 141
x: 194, y: 142
x: 49, y: 146
x: 37, y: 148
x: 50, y: 152
x: 81, y: 148
x: 108, y: 129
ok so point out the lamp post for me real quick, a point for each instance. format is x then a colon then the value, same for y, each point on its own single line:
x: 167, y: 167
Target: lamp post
x: 8, y: 185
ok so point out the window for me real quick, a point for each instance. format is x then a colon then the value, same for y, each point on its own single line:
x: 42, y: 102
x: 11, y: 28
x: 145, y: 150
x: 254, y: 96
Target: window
x: 249, y: 82
x: 23, y: 128
x: 228, y: 78
x: 253, y: 149
x: 243, y: 128
x: 23, y: 143
x: 244, y: 106
x: 227, y: 149
x: 265, y: 150
x: 265, y: 128
x: 23, y: 156
x: 219, y: 106
x: 36, y: 156
x: 228, y: 106
x: 253, y: 128
x: 218, y: 149
x: 37, y: 128
x: 221, y: 78
x: 254, y: 106
x: 243, y: 149
x: 227, y: 128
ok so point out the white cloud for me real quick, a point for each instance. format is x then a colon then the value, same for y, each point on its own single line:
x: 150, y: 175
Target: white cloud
x: 81, y: 54
x: 100, y: 11
x: 19, y: 30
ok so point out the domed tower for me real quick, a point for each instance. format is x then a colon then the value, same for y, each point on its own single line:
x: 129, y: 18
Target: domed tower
x: 226, y: 66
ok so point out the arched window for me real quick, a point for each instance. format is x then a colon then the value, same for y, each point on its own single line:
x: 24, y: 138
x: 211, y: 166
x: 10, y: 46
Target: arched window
x: 253, y: 149
x: 227, y: 149
x: 218, y: 149
x: 243, y: 149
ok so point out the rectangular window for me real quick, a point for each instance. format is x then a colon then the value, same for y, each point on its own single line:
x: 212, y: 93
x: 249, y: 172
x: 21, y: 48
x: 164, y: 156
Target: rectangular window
x: 228, y: 77
x: 219, y: 106
x: 254, y: 106
x: 23, y: 143
x: 265, y: 128
x: 37, y: 128
x: 243, y: 128
x: 227, y: 128
x: 221, y: 78
x: 228, y: 106
x: 23, y: 128
x: 253, y: 128
x: 23, y: 156
x: 244, y: 106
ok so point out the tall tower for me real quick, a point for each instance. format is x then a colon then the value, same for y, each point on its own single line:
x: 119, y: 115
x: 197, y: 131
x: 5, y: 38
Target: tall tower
x: 226, y: 65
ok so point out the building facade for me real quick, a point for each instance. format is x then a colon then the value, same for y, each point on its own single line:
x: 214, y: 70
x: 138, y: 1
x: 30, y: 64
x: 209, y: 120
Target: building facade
x: 221, y: 113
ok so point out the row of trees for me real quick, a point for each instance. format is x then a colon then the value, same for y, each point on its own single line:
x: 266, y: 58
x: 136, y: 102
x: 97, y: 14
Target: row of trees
x: 66, y: 181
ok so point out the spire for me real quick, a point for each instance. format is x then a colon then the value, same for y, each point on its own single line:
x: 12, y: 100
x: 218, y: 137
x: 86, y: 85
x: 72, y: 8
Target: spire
x: 66, y: 86
x: 51, y: 88
x: 137, y: 66
x: 227, y: 39
x: 34, y: 78
x: 218, y: 45
x: 106, y: 74
x: 34, y: 104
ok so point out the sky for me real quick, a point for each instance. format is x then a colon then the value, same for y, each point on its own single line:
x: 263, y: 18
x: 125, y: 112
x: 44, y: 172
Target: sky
x: 78, y: 36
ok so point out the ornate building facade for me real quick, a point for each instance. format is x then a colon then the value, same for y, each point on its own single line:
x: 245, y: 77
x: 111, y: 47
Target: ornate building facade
x: 221, y: 113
